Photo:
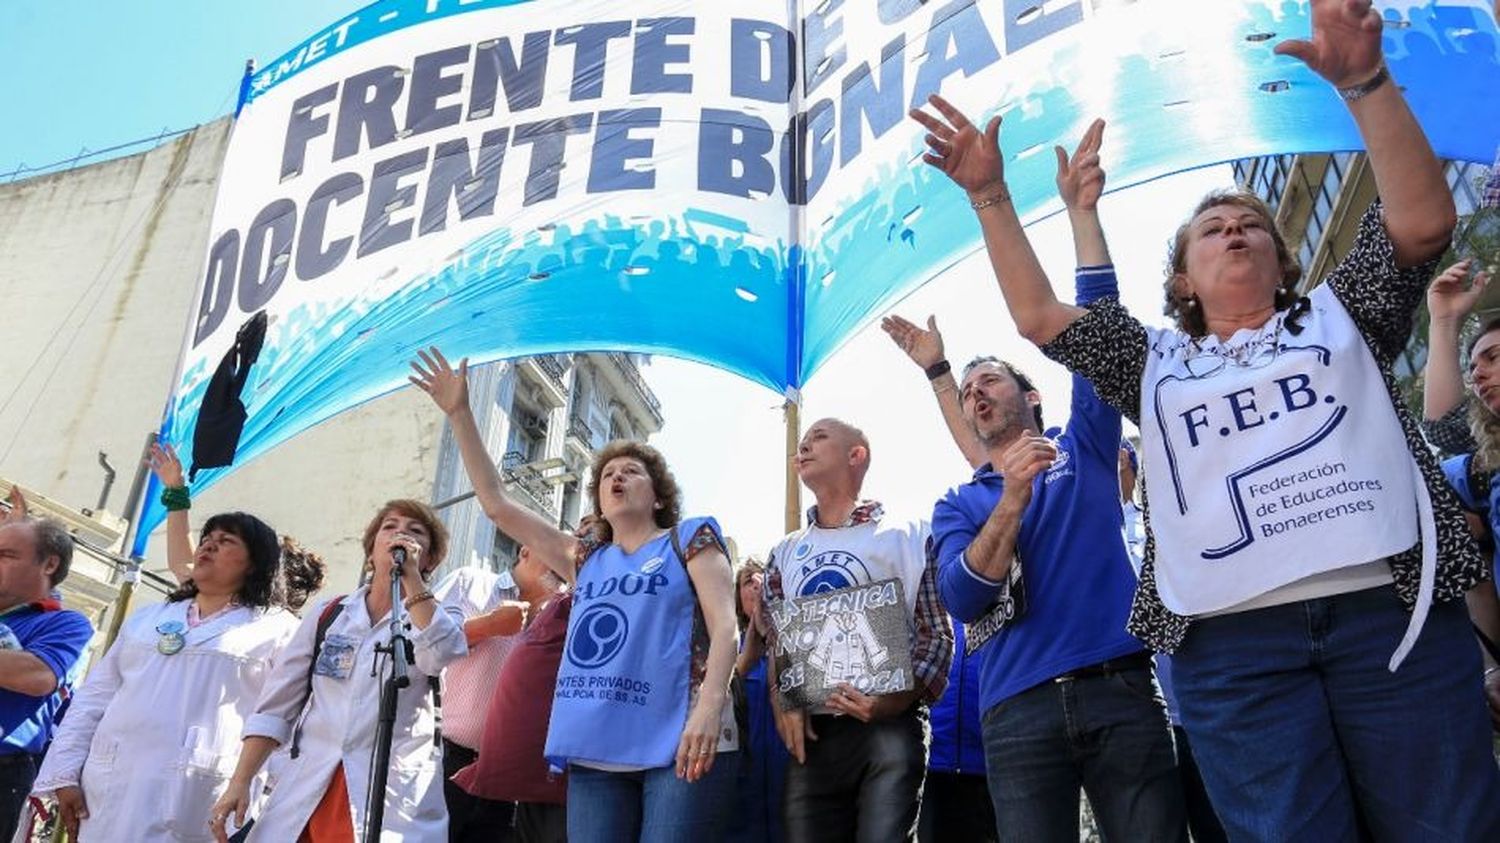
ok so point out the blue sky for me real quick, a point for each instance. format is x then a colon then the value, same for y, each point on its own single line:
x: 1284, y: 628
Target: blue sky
x: 97, y: 73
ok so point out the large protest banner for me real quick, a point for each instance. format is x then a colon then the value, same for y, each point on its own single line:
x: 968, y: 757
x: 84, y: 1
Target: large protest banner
x: 732, y: 182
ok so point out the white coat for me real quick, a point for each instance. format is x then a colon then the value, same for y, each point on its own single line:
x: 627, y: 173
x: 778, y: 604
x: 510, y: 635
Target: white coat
x: 338, y: 727
x: 151, y: 738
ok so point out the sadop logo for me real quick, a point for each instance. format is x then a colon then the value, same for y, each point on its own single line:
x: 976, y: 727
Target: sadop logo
x: 598, y: 637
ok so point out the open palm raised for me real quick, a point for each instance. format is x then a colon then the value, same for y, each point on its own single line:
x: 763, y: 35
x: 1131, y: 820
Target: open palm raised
x: 968, y: 156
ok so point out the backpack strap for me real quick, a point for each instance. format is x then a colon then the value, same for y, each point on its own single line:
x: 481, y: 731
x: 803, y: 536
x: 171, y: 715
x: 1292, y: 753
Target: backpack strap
x: 325, y: 620
x: 677, y: 545
x: 435, y: 685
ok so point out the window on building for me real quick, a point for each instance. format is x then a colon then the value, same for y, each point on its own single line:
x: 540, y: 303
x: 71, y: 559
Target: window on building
x: 572, y: 505
x: 1462, y: 177
x: 528, y: 433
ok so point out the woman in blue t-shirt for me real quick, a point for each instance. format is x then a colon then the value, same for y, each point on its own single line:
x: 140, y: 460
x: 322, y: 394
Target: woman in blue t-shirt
x: 642, y: 706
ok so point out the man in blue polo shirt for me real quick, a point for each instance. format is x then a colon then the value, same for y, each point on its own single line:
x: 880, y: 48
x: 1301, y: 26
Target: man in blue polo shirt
x: 40, y: 643
x: 1033, y: 560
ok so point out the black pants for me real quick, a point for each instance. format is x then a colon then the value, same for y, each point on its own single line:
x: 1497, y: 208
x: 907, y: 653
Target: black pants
x: 541, y: 822
x: 956, y: 807
x: 17, y: 772
x: 470, y: 818
x: 862, y: 781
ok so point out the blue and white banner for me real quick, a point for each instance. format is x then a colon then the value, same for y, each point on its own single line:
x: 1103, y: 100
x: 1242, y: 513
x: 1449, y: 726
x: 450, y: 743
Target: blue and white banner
x: 732, y: 182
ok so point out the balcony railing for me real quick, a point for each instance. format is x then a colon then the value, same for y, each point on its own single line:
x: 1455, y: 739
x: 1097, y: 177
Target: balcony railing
x: 580, y: 430
x: 632, y: 375
x: 554, y: 366
x: 521, y: 475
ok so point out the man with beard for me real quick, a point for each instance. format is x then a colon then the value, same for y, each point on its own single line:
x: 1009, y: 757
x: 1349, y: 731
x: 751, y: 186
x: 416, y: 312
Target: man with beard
x: 1032, y: 559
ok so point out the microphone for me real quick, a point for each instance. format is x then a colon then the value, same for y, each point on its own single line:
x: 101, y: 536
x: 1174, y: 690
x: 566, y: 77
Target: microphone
x: 398, y: 556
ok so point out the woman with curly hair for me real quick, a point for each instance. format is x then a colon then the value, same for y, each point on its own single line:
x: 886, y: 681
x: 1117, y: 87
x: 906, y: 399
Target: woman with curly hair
x: 151, y: 736
x: 642, y: 706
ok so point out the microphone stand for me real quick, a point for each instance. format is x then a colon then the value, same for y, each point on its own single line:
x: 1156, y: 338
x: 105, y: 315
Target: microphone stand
x: 399, y: 649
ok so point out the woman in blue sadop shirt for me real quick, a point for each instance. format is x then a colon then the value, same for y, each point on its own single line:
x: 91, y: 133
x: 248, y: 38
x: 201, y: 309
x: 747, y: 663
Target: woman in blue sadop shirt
x: 642, y: 708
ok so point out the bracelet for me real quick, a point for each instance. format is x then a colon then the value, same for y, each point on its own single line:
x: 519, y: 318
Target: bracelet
x: 1001, y: 195
x: 941, y: 389
x: 1365, y: 88
x: 176, y: 498
x: 1489, y: 670
x: 416, y: 598
x: 938, y: 369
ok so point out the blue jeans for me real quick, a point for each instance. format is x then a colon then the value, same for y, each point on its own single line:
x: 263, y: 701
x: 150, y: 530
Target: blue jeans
x: 1106, y: 734
x: 650, y: 806
x: 1301, y: 733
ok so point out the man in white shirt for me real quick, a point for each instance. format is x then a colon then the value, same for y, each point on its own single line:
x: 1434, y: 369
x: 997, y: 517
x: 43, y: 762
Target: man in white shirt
x: 861, y: 758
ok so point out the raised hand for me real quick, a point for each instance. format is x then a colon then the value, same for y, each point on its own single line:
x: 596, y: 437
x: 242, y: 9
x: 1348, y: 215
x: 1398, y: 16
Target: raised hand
x: 1450, y: 297
x: 924, y: 347
x: 965, y: 154
x: 1345, y: 44
x: 165, y: 465
x: 448, y: 387
x: 1080, y: 179
x: 17, y: 512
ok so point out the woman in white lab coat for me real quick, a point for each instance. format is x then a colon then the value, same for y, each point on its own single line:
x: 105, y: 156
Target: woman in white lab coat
x: 323, y: 699
x: 149, y: 740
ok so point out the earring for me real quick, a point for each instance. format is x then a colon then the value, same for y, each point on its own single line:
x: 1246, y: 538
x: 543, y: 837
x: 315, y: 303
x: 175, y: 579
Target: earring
x: 1191, y: 303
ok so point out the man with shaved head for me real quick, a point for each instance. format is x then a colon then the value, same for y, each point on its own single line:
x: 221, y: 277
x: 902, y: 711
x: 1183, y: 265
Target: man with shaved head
x: 860, y: 758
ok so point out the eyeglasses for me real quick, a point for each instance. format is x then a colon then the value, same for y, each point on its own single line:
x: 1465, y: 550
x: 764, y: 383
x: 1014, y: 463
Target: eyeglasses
x: 1256, y: 354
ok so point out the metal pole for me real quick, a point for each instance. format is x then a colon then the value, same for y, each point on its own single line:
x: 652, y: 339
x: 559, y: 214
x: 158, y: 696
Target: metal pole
x: 109, y: 481
x: 133, y: 497
x: 121, y: 605
x: 456, y: 499
x: 132, y: 504
x: 793, y: 487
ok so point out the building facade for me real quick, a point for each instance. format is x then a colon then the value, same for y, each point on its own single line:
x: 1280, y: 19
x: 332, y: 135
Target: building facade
x: 1318, y: 200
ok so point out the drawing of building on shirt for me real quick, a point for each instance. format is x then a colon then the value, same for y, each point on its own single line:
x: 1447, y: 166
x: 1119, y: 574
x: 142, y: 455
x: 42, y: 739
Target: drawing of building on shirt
x: 847, y: 650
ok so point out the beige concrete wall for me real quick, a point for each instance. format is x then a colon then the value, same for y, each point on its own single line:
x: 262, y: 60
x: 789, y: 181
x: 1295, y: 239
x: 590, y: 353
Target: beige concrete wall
x: 98, y: 270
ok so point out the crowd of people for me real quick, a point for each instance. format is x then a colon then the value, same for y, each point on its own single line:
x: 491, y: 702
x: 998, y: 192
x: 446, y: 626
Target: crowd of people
x: 1269, y: 619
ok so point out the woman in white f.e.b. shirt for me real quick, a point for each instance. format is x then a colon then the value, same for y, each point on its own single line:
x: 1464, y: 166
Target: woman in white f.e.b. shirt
x: 1305, y: 560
